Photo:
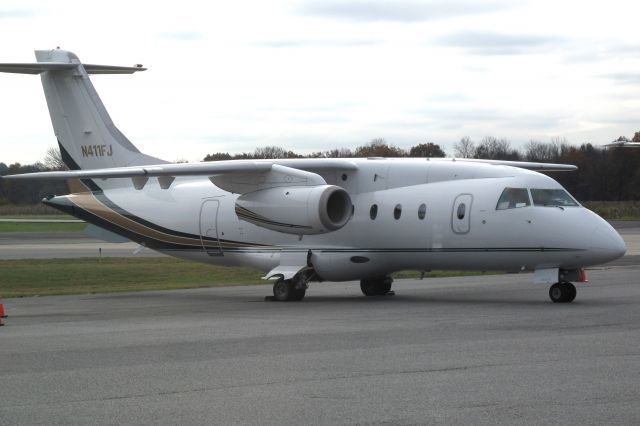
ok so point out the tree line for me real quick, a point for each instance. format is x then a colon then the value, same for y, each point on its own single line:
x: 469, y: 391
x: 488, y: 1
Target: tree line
x: 603, y: 174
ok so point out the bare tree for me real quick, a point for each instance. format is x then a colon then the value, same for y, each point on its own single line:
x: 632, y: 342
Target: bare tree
x: 273, y: 152
x: 335, y: 153
x: 53, y: 160
x: 428, y: 149
x: 465, y: 148
x: 496, y: 149
x: 378, y: 147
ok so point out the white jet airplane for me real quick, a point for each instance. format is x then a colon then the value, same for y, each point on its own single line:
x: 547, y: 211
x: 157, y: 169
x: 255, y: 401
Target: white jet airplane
x: 308, y: 220
x: 622, y: 144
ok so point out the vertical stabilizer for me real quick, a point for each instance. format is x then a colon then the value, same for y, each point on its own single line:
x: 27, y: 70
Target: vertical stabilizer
x: 87, y: 136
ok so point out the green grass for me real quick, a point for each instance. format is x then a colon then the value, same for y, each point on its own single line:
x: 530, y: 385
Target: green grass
x: 21, y: 278
x: 615, y: 210
x: 36, y: 277
x: 25, y: 210
x: 41, y: 227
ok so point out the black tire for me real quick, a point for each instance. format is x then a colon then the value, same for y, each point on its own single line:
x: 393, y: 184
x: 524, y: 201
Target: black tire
x: 385, y: 285
x: 376, y: 286
x: 368, y: 287
x: 282, y: 290
x: 562, y: 293
x: 571, y: 292
x: 298, y: 294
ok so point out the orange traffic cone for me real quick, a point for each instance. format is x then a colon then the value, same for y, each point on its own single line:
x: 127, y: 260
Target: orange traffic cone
x: 2, y: 314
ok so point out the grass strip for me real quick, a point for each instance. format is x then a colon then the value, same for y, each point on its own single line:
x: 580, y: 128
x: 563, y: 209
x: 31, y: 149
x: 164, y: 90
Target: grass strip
x: 44, y: 277
x: 41, y: 227
x: 40, y: 277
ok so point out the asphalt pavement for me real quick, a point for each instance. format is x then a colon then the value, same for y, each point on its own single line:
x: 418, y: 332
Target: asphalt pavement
x: 474, y: 350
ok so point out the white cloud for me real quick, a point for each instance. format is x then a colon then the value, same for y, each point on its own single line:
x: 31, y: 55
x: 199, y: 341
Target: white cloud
x: 400, y: 11
x: 491, y: 43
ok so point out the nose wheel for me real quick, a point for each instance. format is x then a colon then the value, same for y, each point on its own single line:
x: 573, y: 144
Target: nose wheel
x: 562, y: 293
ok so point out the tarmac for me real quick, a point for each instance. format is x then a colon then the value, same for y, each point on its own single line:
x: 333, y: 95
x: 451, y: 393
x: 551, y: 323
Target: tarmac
x: 49, y: 245
x: 474, y: 350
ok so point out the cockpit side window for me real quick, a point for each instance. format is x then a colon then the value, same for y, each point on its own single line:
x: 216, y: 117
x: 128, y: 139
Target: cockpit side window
x: 513, y: 198
x: 552, y: 198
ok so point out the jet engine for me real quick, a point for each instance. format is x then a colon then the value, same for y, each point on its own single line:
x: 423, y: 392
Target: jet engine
x: 297, y: 209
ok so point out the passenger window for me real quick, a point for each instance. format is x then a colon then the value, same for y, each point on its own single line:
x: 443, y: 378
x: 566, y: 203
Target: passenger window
x: 397, y: 212
x: 513, y: 198
x: 461, y: 211
x: 422, y: 211
x: 552, y: 197
x: 373, y: 212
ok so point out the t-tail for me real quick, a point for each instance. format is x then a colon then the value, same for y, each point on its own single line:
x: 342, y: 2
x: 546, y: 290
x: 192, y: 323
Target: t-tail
x: 87, y: 137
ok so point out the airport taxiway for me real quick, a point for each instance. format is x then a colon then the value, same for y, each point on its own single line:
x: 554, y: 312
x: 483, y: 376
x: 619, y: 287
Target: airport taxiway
x: 475, y: 350
x: 50, y: 245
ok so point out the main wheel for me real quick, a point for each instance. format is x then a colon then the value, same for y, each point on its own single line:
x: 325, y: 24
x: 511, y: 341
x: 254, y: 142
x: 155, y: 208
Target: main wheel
x: 376, y: 286
x: 562, y: 292
x: 285, y: 290
x: 282, y: 290
x: 298, y: 294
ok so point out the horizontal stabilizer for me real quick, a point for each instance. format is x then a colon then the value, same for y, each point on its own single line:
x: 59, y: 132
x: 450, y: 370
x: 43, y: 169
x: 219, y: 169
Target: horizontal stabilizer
x: 40, y: 67
x: 35, y: 68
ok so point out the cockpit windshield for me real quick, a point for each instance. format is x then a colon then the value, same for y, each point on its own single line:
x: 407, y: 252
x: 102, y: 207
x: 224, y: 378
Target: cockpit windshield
x: 552, y: 197
x: 513, y: 198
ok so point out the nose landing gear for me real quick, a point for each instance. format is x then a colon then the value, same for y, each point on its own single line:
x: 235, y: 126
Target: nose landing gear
x: 562, y: 292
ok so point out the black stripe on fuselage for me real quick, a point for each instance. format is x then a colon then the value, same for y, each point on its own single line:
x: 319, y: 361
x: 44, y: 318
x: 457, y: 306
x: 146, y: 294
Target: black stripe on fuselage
x: 116, y: 208
x: 72, y: 165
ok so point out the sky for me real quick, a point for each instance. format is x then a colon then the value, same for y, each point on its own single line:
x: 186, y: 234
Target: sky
x: 312, y: 75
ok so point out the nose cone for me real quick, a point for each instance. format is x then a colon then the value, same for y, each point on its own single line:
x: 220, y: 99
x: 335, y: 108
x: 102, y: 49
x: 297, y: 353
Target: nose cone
x: 607, y: 244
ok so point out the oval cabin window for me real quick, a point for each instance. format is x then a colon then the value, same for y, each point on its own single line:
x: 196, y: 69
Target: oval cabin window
x: 422, y: 211
x: 397, y: 212
x: 461, y: 211
x: 373, y: 212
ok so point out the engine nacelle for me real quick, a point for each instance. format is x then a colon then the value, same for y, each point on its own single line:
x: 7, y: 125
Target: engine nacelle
x: 297, y: 209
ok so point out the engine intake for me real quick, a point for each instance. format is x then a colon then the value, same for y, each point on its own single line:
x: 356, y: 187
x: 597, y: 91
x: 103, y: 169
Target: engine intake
x: 297, y: 209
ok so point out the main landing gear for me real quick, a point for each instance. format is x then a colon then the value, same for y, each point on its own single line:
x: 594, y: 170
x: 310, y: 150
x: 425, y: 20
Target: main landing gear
x: 562, y: 292
x: 376, y: 286
x: 293, y: 289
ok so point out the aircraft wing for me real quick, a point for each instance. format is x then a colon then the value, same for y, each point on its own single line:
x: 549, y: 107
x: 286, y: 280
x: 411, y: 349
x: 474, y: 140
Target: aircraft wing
x: 238, y: 176
x: 545, y: 167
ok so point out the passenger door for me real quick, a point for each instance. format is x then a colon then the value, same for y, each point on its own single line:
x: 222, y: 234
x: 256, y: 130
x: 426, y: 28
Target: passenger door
x: 209, y: 227
x: 461, y: 214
